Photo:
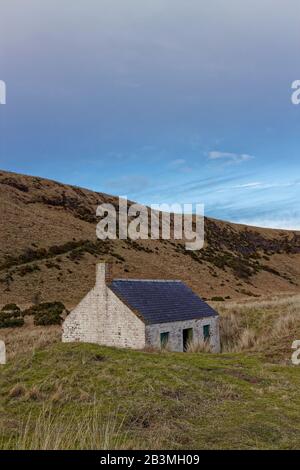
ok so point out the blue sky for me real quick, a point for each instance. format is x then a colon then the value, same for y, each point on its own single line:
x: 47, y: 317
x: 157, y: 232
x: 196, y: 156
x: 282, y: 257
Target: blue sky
x: 161, y: 100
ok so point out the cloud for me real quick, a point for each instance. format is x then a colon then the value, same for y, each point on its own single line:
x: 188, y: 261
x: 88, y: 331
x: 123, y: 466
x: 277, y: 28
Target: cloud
x: 177, y: 162
x: 194, y: 189
x: 180, y: 165
x: 229, y: 157
x: 260, y: 185
x: 253, y: 185
x: 276, y: 214
x: 283, y: 223
x: 128, y: 184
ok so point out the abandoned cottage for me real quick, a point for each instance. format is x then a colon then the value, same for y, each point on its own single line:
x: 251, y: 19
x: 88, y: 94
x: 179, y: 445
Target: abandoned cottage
x: 134, y: 313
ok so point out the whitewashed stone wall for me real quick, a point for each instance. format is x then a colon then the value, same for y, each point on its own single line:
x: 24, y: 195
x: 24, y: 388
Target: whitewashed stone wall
x: 124, y: 327
x: 102, y: 318
x: 175, y: 330
x: 84, y: 322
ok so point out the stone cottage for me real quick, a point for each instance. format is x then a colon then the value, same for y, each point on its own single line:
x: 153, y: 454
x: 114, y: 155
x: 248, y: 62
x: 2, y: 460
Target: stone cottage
x: 134, y: 313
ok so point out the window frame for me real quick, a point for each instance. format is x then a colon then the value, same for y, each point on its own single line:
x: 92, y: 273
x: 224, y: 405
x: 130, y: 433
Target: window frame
x: 206, y: 336
x: 166, y: 335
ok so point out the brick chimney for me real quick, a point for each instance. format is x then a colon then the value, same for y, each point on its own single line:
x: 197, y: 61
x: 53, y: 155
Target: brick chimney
x: 108, y: 273
x: 103, y: 274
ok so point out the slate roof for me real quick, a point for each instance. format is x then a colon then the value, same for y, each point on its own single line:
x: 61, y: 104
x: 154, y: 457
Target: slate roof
x: 161, y: 301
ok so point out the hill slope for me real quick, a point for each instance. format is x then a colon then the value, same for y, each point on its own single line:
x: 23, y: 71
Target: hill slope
x: 86, y: 396
x: 48, y: 249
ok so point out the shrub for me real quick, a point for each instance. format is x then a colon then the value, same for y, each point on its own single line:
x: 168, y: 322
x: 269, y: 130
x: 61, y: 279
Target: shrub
x: 11, y: 308
x: 119, y: 257
x: 47, y: 313
x: 11, y: 322
x: 11, y: 316
x: 27, y: 269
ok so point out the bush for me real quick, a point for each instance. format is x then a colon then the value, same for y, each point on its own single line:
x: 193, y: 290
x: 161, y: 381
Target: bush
x: 11, y: 322
x: 47, y: 313
x: 11, y: 316
x: 27, y: 269
x: 11, y: 308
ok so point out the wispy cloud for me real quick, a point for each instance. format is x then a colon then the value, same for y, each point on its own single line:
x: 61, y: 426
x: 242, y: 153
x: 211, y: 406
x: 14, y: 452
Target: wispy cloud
x: 177, y: 162
x: 180, y: 165
x: 195, y: 188
x: 229, y: 156
x: 284, y: 222
x: 260, y: 185
x: 278, y: 214
x: 128, y: 184
x: 254, y: 185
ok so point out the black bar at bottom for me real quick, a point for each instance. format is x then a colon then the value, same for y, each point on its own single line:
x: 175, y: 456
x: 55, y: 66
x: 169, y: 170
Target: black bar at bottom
x: 135, y: 459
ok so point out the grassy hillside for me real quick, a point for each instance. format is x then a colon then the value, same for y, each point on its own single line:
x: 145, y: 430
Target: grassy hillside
x: 85, y: 396
x: 55, y: 395
x: 48, y: 250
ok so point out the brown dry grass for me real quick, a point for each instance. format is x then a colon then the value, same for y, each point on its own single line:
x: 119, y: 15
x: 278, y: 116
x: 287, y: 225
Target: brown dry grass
x: 259, y: 325
x: 252, y: 326
x: 48, y: 431
x: 28, y: 338
x: 198, y: 347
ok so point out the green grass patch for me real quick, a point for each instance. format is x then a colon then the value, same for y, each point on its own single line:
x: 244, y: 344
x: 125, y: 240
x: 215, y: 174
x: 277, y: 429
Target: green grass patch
x: 147, y: 400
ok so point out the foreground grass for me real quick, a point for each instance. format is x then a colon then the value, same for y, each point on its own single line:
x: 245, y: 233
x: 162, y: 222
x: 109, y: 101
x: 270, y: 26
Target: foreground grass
x: 81, y: 396
x: 87, y: 396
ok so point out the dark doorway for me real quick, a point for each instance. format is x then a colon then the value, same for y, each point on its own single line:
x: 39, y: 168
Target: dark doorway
x: 187, y: 336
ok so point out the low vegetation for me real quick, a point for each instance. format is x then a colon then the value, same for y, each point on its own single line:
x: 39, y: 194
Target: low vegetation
x: 267, y: 327
x: 49, y: 430
x: 44, y: 314
x: 75, y: 249
x: 11, y: 316
x: 83, y: 396
x: 47, y: 313
x: 199, y: 347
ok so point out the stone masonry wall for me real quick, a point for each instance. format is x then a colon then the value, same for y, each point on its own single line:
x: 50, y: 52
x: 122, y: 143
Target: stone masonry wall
x: 83, y: 323
x: 86, y: 322
x: 124, y: 328
x: 102, y: 318
x: 175, y: 329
